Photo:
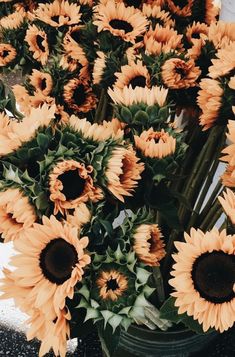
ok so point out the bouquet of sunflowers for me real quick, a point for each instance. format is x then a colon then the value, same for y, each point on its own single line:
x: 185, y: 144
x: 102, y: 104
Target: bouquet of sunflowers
x: 123, y: 110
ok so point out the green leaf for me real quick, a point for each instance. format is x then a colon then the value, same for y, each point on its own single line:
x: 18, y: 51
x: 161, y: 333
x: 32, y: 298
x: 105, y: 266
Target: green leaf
x: 141, y: 117
x: 126, y: 115
x: 169, y: 311
x: 41, y: 201
x: 192, y: 324
x: 42, y: 140
x: 109, y: 340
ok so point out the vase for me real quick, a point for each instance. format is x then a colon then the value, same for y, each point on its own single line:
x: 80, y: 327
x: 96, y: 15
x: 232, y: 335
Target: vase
x: 140, y: 342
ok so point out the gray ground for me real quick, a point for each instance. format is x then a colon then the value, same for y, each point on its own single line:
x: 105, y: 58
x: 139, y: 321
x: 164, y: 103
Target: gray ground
x: 14, y: 344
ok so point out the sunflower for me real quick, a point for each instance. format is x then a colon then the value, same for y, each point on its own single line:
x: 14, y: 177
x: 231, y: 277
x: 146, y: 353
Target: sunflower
x: 38, y: 99
x: 59, y: 13
x: 195, y: 31
x: 20, y: 295
x: 224, y: 63
x: 134, y: 75
x: 78, y: 95
x: 16, y: 214
x: 97, y: 132
x: 148, y: 245
x: 74, y: 57
x: 211, y: 12
x: 177, y: 73
x: 230, y: 149
x: 204, y: 277
x: 41, y: 81
x: 7, y: 54
x: 16, y: 133
x: 22, y: 98
x: 116, y: 291
x: 52, y: 333
x: 123, y: 172
x: 155, y: 144
x: 99, y: 67
x: 13, y: 21
x: 162, y: 39
x: 111, y: 284
x: 210, y: 101
x: 156, y: 14
x: 7, y: 144
x: 129, y: 96
x: 50, y: 262
x: 196, y: 35
x: 180, y: 8
x: 231, y: 85
x: 155, y: 2
x: 26, y: 101
x: 38, y: 43
x: 80, y: 216
x: 228, y: 177
x: 52, y: 330
x: 61, y: 116
x: 27, y: 5
x: 125, y: 22
x: 221, y: 33
x: 73, y: 36
x: 228, y: 204
x: 70, y: 184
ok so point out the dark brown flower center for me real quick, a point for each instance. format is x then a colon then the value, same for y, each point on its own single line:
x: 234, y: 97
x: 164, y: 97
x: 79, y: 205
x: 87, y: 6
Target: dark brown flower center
x: 43, y: 84
x: 79, y: 95
x: 39, y: 41
x: 57, y: 260
x: 126, y: 166
x: 152, y: 242
x: 73, y: 184
x: 121, y: 25
x: 138, y: 81
x: 213, y: 275
x: 180, y: 71
x: 180, y: 3
x: 5, y: 53
x: 55, y: 18
x: 135, y: 3
x: 196, y: 35
x: 11, y: 218
x: 112, y: 285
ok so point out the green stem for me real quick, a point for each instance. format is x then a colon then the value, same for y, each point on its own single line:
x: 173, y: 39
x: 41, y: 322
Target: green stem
x: 208, y: 182
x: 169, y: 250
x: 100, y: 108
x: 210, y: 202
x: 197, y: 176
x: 212, y: 217
x: 160, y: 292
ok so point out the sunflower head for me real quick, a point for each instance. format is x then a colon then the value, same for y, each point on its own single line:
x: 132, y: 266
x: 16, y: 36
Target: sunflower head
x: 71, y: 183
x: 148, y: 245
x: 118, y: 291
x: 157, y: 144
x: 16, y: 214
x: 123, y: 171
x: 203, y: 278
x: 228, y: 204
x: 177, y: 73
x: 7, y: 54
x: 126, y: 23
x: 78, y: 95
